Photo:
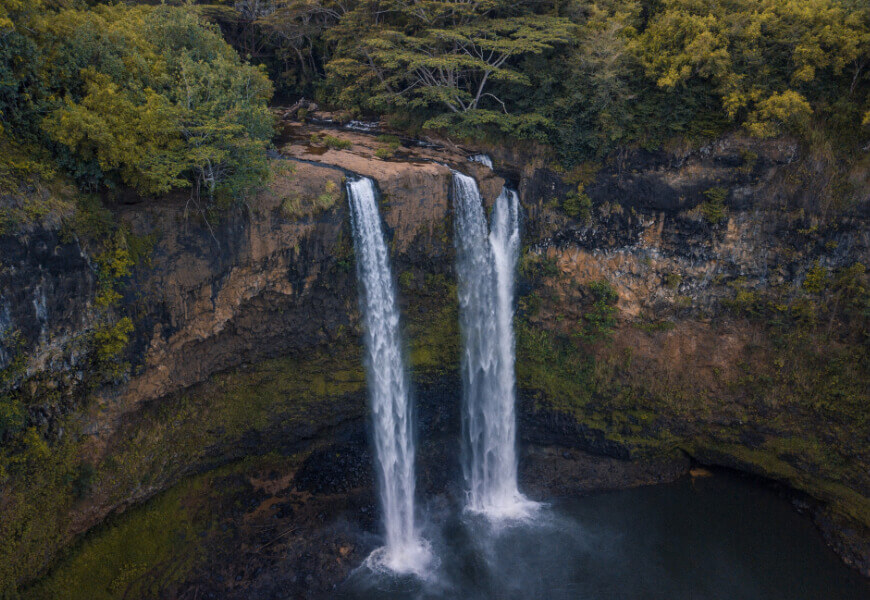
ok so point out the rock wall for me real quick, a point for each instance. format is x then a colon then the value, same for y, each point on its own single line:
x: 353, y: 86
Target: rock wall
x: 246, y: 327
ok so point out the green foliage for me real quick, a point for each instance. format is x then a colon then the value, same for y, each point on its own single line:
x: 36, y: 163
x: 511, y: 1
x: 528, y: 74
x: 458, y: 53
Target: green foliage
x: 713, y: 209
x: 110, y: 341
x: 392, y: 145
x: 642, y: 73
x: 764, y: 60
x: 577, y: 204
x: 535, y: 265
x: 439, y: 55
x: 330, y: 141
x: 585, y: 77
x: 599, y: 321
x: 144, y: 96
x: 392, y: 141
x: 816, y: 280
x: 672, y: 280
x: 406, y: 280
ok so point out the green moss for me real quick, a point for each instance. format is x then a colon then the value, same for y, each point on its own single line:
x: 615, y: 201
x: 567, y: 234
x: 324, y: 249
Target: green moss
x: 134, y: 555
x: 166, y: 441
x: 147, y: 551
x: 433, y: 328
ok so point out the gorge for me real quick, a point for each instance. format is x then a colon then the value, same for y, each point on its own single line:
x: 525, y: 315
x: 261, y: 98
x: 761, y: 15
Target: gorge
x: 434, y: 299
x: 252, y: 356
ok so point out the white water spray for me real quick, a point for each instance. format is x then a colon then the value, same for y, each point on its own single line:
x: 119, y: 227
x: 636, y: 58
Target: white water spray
x: 405, y: 551
x: 485, y: 267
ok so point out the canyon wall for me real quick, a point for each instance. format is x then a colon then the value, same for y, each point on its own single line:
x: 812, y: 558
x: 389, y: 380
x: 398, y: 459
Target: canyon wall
x: 679, y: 303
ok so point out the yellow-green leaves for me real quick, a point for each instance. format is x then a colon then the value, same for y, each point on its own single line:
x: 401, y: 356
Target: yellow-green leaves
x: 764, y: 58
x: 682, y: 42
x: 149, y: 97
x: 133, y: 132
x: 779, y: 113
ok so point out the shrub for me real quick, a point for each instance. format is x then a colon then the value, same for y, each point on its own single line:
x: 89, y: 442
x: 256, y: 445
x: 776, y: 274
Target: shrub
x: 577, y: 204
x: 600, y: 321
x: 392, y: 141
x: 714, y: 210
x: 816, y: 279
x: 672, y: 280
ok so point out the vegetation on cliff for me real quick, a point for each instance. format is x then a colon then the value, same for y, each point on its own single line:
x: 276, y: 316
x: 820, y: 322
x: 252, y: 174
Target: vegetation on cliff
x: 108, y: 96
x: 146, y: 97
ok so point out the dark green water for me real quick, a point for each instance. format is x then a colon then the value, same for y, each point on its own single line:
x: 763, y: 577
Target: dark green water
x: 714, y: 538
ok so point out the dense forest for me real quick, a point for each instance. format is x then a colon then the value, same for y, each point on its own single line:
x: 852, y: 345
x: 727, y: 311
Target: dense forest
x: 160, y: 97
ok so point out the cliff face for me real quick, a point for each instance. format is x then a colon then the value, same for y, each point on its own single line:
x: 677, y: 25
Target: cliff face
x: 664, y: 310
x: 730, y: 335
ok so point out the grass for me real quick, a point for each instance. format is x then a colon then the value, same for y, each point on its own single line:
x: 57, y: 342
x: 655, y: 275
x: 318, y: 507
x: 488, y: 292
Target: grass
x: 295, y: 206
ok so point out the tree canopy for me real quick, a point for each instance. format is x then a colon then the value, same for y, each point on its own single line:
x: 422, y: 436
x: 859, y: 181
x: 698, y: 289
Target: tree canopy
x: 586, y: 76
x: 150, y: 97
x: 153, y: 98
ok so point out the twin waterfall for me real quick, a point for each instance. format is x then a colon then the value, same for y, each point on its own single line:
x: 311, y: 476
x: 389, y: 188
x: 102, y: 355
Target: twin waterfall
x: 486, y: 262
x: 485, y: 265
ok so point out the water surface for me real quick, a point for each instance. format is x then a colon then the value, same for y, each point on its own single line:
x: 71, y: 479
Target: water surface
x: 716, y: 538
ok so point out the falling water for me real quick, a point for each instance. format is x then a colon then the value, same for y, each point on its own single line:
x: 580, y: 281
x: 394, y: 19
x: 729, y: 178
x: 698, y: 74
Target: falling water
x: 483, y: 159
x: 485, y: 265
x: 405, y: 551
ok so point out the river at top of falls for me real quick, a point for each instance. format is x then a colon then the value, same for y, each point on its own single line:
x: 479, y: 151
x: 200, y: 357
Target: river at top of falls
x: 485, y: 264
x: 392, y: 416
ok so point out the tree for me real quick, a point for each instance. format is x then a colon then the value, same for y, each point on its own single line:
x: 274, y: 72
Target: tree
x: 765, y: 59
x: 150, y: 97
x: 443, y: 54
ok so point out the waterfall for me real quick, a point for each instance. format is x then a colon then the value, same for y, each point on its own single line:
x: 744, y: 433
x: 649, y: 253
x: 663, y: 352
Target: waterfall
x: 483, y: 159
x: 404, y: 551
x: 485, y: 268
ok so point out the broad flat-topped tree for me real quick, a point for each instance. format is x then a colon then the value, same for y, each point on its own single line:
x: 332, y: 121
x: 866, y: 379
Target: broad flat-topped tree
x: 445, y: 54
